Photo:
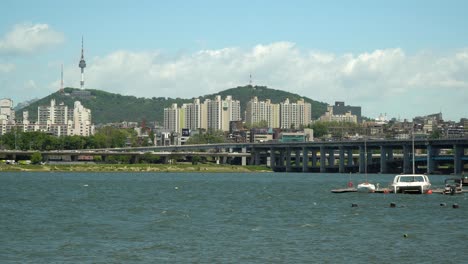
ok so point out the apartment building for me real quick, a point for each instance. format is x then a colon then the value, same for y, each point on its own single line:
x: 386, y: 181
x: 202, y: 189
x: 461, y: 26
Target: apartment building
x: 7, y: 115
x: 259, y: 111
x: 192, y: 115
x: 295, y: 114
x: 172, y: 119
x: 61, y: 120
x: 80, y: 124
x: 213, y: 114
x: 56, y: 119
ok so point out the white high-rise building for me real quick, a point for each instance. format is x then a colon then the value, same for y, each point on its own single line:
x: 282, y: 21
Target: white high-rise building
x: 211, y: 114
x: 193, y: 115
x: 171, y: 118
x: 81, y: 123
x: 230, y: 112
x: 295, y: 114
x: 221, y: 112
x: 258, y: 111
x: 7, y: 115
x: 53, y: 118
x: 6, y: 109
x: 61, y: 120
x: 214, y: 113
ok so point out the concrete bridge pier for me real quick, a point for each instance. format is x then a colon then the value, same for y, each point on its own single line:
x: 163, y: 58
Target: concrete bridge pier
x: 256, y: 158
x: 322, y: 159
x: 431, y: 165
x: 331, y: 158
x: 350, y: 157
x: 458, y: 152
x: 305, y: 159
x: 282, y: 157
x: 288, y: 160
x: 383, y: 159
x: 406, y: 159
x: 272, y: 158
x: 369, y: 159
x: 362, y: 156
x: 297, y: 159
x: 341, y: 168
x: 314, y: 158
x: 244, y: 159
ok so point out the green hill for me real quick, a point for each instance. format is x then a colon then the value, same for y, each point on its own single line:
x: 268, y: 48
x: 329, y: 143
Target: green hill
x: 109, y: 107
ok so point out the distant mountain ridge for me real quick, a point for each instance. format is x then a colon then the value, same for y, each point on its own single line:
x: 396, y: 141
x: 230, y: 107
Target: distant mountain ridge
x: 109, y: 107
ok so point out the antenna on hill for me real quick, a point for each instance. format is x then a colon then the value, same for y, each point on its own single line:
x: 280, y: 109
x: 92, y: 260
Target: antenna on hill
x: 61, y: 81
x: 61, y: 78
x: 250, y: 83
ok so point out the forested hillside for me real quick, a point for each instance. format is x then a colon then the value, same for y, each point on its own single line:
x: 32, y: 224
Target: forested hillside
x: 109, y: 107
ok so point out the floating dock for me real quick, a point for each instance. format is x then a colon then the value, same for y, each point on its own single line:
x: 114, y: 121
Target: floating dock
x: 388, y: 190
x: 344, y: 190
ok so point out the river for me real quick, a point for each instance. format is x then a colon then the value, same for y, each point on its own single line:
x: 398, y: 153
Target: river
x: 223, y: 218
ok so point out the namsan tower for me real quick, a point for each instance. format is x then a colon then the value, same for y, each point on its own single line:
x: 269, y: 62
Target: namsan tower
x: 82, y: 65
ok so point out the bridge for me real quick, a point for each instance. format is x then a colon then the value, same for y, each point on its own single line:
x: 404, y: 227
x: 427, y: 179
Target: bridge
x: 376, y: 156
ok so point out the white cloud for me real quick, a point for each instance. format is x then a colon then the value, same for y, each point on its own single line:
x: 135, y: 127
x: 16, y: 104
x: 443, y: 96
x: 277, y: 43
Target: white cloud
x: 7, y: 68
x: 381, y: 81
x: 30, y: 84
x: 28, y: 38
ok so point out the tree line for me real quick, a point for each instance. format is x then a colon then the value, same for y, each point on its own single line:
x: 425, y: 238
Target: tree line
x: 106, y: 137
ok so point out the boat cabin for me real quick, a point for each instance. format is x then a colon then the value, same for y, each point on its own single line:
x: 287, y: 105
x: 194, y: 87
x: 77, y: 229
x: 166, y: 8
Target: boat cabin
x: 411, y: 183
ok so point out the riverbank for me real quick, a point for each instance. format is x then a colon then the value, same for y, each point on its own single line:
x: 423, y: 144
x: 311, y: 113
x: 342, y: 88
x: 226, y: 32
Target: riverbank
x: 87, y: 167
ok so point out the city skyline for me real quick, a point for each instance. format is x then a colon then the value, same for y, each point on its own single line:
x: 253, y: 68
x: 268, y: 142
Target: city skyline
x: 402, y: 59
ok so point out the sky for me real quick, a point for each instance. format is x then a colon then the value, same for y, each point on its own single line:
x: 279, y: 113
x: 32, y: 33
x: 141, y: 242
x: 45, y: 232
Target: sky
x: 396, y: 58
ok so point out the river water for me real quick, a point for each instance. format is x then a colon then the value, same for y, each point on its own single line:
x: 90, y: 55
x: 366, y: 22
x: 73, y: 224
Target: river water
x: 223, y: 218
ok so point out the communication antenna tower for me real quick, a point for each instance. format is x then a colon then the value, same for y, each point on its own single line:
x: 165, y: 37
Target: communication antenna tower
x: 61, y: 79
x: 82, y: 64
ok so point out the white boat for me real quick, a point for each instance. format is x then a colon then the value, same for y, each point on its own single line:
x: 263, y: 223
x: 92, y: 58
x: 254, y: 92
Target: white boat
x: 365, y: 186
x: 411, y: 183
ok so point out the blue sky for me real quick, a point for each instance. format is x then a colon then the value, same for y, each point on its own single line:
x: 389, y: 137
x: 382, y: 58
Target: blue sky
x: 402, y: 58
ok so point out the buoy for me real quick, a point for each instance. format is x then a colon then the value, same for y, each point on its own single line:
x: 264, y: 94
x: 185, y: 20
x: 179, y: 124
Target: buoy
x: 429, y: 191
x: 177, y: 188
x: 385, y: 191
x: 455, y: 205
x: 392, y: 205
x: 443, y: 204
x: 354, y: 205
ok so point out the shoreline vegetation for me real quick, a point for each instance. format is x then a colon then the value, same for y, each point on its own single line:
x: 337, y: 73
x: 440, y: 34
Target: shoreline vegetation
x: 89, y: 167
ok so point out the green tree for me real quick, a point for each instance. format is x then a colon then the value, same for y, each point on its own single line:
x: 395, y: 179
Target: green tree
x: 435, y: 134
x: 36, y: 158
x: 196, y: 160
x: 261, y: 124
x: 320, y: 129
x: 210, y: 137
